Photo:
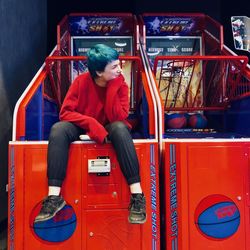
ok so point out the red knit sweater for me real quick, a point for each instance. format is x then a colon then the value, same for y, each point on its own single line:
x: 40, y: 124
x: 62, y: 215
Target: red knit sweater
x: 91, y: 107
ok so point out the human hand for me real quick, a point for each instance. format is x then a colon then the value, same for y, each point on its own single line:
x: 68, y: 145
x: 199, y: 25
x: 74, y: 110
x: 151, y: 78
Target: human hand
x: 105, y: 140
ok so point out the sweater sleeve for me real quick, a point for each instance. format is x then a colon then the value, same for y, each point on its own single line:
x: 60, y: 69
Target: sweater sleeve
x: 69, y: 113
x: 117, y: 102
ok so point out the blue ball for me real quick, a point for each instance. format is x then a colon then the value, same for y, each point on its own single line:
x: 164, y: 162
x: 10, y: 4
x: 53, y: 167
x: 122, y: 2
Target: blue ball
x: 198, y: 121
x: 187, y: 115
x: 59, y: 228
x: 175, y: 120
x: 220, y: 220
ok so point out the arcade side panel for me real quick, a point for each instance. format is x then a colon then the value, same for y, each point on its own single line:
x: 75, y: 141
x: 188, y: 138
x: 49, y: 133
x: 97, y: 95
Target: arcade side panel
x: 96, y: 215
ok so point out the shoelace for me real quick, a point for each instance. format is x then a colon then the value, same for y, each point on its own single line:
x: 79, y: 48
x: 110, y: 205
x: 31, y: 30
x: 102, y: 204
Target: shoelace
x: 48, y: 205
x: 137, y: 203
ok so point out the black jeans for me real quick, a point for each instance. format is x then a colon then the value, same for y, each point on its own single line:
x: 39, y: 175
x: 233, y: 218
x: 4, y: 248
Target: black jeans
x: 63, y: 133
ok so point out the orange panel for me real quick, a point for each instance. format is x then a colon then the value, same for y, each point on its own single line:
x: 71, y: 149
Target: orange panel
x: 112, y: 231
x: 102, y: 191
x: 206, y: 196
x: 35, y: 189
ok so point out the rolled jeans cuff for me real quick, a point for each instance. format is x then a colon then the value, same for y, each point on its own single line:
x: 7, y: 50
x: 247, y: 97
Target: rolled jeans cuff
x: 134, y: 179
x: 54, y: 182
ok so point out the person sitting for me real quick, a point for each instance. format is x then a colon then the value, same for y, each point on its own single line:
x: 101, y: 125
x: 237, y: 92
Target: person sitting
x: 96, y: 104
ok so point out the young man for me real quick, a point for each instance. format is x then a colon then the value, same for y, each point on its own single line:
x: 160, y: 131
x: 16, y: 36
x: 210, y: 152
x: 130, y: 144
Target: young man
x: 97, y: 104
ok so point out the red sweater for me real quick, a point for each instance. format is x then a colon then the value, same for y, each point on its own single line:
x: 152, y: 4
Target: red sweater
x: 91, y: 107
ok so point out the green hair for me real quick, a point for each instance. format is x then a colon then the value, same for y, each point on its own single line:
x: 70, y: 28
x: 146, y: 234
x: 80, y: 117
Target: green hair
x: 99, y: 56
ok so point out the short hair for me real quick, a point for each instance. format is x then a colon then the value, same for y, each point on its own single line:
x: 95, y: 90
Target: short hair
x: 99, y: 56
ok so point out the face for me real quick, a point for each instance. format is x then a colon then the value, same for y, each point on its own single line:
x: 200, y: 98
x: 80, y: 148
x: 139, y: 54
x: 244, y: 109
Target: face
x: 111, y: 71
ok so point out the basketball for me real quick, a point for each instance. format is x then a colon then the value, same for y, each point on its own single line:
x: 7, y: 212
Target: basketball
x: 187, y: 115
x: 175, y: 120
x: 197, y: 121
x: 217, y: 217
x: 57, y: 229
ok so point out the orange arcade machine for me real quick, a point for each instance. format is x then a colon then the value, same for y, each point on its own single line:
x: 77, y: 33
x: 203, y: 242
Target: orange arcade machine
x: 203, y: 95
x: 96, y: 193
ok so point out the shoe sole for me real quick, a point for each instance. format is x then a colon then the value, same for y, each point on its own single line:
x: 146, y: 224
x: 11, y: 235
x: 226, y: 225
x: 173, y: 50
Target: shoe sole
x: 137, y: 221
x: 50, y: 217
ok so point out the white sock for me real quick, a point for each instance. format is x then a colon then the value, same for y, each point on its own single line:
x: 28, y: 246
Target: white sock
x: 54, y: 190
x: 135, y: 188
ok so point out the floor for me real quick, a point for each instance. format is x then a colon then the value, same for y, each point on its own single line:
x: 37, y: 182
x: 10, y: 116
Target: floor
x: 3, y: 239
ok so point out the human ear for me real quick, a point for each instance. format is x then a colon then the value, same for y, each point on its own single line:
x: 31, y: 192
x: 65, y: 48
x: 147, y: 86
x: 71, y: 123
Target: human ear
x: 99, y: 73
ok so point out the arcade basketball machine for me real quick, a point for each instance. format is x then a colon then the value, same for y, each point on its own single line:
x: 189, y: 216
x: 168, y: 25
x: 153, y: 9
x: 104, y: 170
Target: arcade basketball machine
x: 96, y: 193
x: 204, y: 93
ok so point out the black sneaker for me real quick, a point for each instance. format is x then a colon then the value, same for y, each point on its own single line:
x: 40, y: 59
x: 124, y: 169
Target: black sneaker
x: 51, y: 205
x: 137, y: 209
